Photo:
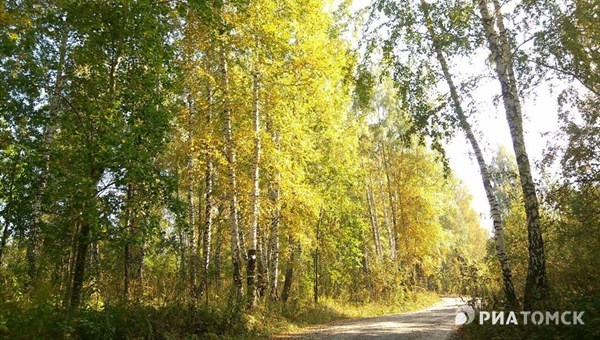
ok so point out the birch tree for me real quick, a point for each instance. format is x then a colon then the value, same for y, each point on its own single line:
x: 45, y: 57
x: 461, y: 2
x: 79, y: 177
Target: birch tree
x: 498, y: 223
x: 536, y: 288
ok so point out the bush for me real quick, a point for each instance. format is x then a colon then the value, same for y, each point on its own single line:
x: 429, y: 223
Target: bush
x: 135, y: 321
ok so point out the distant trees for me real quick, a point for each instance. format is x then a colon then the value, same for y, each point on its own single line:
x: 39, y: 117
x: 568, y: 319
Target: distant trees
x: 422, y: 225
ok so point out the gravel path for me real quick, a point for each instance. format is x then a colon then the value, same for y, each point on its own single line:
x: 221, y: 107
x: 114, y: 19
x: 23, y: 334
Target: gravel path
x: 436, y: 322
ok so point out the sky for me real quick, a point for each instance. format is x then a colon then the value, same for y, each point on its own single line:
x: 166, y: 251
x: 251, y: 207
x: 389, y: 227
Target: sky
x: 491, y: 128
x: 540, y: 118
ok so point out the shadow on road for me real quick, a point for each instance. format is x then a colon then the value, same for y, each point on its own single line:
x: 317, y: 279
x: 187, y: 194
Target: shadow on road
x: 436, y: 322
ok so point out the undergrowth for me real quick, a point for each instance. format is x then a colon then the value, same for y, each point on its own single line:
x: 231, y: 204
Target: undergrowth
x: 45, y: 321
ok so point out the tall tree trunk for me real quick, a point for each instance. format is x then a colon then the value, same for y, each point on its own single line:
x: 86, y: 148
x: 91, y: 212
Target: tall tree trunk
x: 376, y: 219
x: 233, y: 199
x: 70, y: 265
x: 127, y: 248
x: 262, y: 265
x: 274, y: 233
x: 536, y: 286
x: 390, y: 195
x: 274, y: 255
x: 138, y: 270
x: 386, y: 217
x: 217, y: 254
x: 89, y: 205
x: 498, y: 223
x: 294, y: 249
x: 208, y: 199
x: 242, y: 240
x: 83, y: 239
x: 54, y: 96
x: 181, y: 236
x: 133, y: 250
x: 191, y: 234
x: 182, y: 245
x: 273, y: 240
x: 251, y: 269
x: 5, y: 234
x: 126, y: 271
x: 374, y: 223
x: 365, y: 263
x: 6, y: 229
x: 316, y: 258
x: 79, y: 267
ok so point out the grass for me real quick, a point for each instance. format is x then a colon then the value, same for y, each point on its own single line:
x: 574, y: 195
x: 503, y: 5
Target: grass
x: 181, y: 322
x: 122, y: 322
x: 277, y: 318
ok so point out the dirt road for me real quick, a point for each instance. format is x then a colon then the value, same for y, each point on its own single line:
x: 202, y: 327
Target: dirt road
x: 436, y: 322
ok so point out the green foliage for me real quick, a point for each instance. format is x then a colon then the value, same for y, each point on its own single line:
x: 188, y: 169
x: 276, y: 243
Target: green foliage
x: 170, y: 322
x: 570, y: 229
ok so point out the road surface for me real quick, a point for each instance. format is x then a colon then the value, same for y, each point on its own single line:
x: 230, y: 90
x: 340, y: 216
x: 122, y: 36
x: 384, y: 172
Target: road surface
x: 436, y: 322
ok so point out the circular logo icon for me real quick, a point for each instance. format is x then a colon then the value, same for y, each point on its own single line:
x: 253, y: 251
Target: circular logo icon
x: 464, y: 315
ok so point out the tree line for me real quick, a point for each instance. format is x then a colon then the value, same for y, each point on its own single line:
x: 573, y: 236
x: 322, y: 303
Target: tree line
x: 187, y: 153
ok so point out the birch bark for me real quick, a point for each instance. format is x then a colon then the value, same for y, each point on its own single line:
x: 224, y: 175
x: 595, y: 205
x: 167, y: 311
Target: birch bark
x: 251, y: 269
x: 498, y: 223
x: 233, y: 200
x: 536, y: 286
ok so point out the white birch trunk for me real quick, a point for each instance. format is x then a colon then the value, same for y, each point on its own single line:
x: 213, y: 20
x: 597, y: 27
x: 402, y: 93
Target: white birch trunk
x: 54, y: 96
x: 208, y: 199
x: 536, y: 287
x: 251, y: 269
x: 190, y: 200
x: 233, y: 200
x: 498, y: 224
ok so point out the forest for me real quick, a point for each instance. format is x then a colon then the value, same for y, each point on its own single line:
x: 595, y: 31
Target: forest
x: 245, y: 168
